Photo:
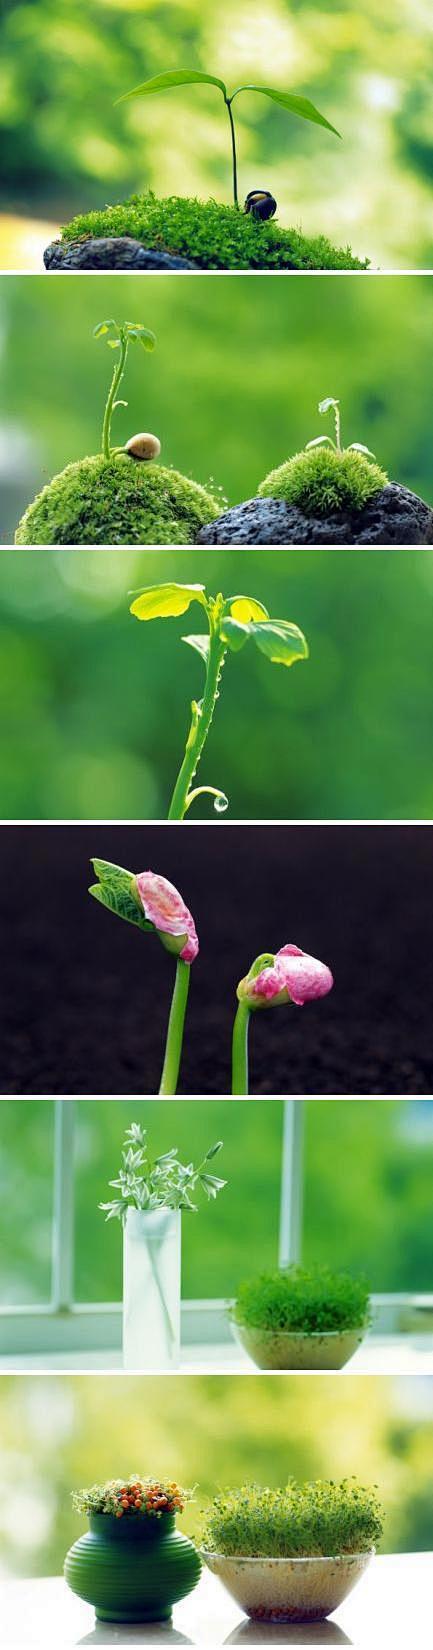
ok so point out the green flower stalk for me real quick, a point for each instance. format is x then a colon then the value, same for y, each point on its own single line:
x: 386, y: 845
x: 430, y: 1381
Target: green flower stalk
x: 231, y: 621
x: 290, y: 976
x: 153, y: 904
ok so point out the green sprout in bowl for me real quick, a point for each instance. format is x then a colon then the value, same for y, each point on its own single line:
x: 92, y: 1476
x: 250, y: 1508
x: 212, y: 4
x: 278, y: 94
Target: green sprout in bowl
x: 120, y: 495
x: 327, y: 478
x: 321, y: 1519
x: 302, y: 1300
x: 258, y: 201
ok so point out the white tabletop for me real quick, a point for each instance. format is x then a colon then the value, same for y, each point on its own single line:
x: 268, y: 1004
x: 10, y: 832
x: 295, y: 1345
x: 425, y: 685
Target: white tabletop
x: 390, y: 1609
x: 377, y: 1355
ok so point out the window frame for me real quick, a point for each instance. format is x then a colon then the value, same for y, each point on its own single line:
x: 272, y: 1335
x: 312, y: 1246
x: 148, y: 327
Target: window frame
x: 64, y: 1325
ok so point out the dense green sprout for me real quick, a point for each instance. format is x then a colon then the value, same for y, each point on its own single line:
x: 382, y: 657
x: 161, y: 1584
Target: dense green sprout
x: 117, y: 501
x: 321, y: 1519
x: 322, y: 481
x: 302, y: 1301
x: 215, y: 236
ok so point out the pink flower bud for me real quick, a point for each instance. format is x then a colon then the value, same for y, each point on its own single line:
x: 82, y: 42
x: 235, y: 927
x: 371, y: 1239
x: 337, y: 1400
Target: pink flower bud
x: 293, y: 977
x: 164, y: 906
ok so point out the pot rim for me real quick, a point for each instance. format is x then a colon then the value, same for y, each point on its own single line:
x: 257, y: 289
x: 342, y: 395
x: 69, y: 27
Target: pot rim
x: 268, y: 1558
x: 301, y: 1334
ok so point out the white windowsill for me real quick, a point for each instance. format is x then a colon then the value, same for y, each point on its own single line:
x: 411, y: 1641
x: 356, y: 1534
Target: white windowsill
x: 378, y: 1355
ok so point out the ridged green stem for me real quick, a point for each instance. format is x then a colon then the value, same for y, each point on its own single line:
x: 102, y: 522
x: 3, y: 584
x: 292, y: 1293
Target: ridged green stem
x: 240, y: 1050
x: 173, y: 1047
x: 200, y: 723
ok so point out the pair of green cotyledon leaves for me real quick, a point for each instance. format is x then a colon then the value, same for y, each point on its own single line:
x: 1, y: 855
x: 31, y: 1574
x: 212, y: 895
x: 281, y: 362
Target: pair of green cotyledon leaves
x: 237, y: 618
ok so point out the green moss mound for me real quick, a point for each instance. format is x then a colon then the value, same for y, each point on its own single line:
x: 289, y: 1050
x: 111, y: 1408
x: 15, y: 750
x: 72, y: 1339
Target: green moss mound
x: 215, y: 236
x: 117, y: 501
x: 324, y: 482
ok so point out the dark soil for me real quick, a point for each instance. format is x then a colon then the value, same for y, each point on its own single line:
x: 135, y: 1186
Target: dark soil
x: 110, y: 252
x: 85, y: 997
x: 393, y: 516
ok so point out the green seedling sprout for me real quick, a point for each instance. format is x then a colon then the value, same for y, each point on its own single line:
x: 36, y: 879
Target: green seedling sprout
x: 331, y: 404
x: 300, y: 106
x: 119, y: 338
x: 231, y: 621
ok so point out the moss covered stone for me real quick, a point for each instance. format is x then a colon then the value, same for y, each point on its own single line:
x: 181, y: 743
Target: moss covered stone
x: 322, y: 481
x: 117, y: 501
x: 214, y: 236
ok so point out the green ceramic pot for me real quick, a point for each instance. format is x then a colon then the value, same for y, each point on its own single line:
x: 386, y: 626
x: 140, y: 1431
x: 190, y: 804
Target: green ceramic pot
x: 132, y: 1569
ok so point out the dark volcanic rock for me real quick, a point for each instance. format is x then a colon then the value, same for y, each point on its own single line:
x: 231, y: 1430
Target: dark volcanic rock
x: 109, y: 252
x: 394, y: 516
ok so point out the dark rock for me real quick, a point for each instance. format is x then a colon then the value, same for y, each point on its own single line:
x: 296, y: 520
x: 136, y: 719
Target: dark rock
x: 394, y: 516
x: 109, y: 252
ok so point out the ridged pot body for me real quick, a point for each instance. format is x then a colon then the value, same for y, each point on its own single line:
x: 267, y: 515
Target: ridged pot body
x: 151, y: 1289
x: 132, y: 1568
x: 288, y: 1589
x: 280, y: 1349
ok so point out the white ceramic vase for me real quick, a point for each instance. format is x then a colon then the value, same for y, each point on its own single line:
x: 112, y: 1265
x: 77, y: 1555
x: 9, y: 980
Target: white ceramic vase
x: 151, y: 1289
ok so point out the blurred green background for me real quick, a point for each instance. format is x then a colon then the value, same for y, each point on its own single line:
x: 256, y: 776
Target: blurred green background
x: 234, y: 383
x: 95, y: 706
x: 61, y: 1433
x: 66, y: 147
x: 349, y: 1219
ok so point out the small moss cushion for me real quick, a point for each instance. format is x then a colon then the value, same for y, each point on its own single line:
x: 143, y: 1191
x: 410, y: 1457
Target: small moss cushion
x: 322, y: 481
x: 117, y: 501
x: 215, y: 236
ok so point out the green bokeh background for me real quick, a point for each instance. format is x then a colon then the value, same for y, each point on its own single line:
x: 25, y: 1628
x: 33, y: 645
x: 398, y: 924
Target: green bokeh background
x: 57, y: 1433
x: 65, y: 146
x: 95, y: 706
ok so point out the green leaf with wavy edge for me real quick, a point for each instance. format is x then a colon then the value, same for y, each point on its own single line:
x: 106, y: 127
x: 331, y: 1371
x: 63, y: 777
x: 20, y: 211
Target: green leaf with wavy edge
x: 173, y: 77
x: 113, y: 890
x: 295, y: 105
x: 283, y: 643
x: 201, y: 645
x: 165, y: 601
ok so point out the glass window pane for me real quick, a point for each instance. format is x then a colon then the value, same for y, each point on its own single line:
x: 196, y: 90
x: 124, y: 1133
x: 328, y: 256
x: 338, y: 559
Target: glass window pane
x: 223, y: 1242
x: 368, y: 1190
x: 26, y: 1201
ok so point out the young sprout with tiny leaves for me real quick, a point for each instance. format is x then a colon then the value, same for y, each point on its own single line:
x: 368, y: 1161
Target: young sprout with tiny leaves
x: 289, y: 977
x: 151, y: 903
x: 300, y: 106
x: 120, y: 495
x: 327, y: 477
x: 147, y: 1183
x: 232, y: 621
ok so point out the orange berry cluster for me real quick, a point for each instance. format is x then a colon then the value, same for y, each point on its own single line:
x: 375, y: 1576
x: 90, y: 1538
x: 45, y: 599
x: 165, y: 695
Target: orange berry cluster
x: 148, y: 1497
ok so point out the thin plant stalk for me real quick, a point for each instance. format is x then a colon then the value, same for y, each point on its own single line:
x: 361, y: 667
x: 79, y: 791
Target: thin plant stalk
x: 173, y: 1047
x: 240, y: 1050
x: 115, y: 385
x: 200, y: 723
x: 228, y: 103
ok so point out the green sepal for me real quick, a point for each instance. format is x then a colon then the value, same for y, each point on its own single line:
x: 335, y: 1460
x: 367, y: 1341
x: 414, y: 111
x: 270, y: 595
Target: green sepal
x: 114, y: 889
